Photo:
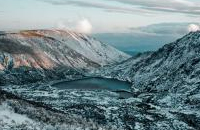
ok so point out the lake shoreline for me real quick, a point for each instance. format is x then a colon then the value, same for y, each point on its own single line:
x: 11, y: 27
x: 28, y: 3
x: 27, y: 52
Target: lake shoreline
x: 123, y: 88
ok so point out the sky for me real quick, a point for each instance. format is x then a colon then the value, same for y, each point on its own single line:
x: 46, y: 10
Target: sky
x: 95, y: 16
x: 144, y: 17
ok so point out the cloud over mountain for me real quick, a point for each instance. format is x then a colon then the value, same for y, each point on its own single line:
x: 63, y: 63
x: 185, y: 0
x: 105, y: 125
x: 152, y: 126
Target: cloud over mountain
x: 82, y: 25
x: 193, y: 27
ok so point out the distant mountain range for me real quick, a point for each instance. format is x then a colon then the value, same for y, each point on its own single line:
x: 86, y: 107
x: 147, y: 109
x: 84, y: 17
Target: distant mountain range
x: 136, y: 42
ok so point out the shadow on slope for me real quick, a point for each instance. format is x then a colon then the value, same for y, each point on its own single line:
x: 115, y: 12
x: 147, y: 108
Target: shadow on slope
x: 26, y: 75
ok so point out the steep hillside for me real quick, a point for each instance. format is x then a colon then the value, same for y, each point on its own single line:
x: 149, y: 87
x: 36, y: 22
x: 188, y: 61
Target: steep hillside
x: 165, y: 89
x: 52, y: 51
x: 94, y: 50
x: 173, y: 64
x: 51, y: 48
x: 168, y: 78
x: 21, y: 114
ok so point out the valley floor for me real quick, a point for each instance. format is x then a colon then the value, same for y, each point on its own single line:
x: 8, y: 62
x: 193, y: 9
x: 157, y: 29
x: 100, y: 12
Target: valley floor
x: 41, y: 107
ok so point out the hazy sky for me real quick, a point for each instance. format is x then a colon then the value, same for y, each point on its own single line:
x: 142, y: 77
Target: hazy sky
x: 96, y: 15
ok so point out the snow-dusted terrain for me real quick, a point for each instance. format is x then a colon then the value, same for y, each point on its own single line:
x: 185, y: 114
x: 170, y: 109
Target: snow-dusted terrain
x: 54, y: 54
x: 168, y: 78
x: 21, y: 114
x: 51, y: 48
x: 165, y: 93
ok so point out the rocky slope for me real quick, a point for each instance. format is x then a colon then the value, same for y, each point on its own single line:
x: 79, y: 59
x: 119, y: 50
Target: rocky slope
x: 174, y: 65
x: 168, y: 78
x: 51, y: 48
x: 165, y: 89
x: 41, y: 54
x: 20, y: 114
x: 100, y: 109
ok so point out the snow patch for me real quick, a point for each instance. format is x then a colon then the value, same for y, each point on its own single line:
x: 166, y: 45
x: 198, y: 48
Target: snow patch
x: 8, y: 116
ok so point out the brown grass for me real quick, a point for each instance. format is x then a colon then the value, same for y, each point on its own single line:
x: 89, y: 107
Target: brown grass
x: 30, y: 34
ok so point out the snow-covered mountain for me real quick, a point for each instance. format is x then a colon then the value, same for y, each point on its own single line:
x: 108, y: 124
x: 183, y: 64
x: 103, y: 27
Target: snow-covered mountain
x: 50, y: 50
x: 168, y: 78
x: 165, y: 86
x: 173, y: 64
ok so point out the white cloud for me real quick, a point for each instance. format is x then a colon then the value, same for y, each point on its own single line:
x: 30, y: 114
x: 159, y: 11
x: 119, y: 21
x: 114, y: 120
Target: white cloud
x: 193, y: 27
x: 84, y: 26
x: 80, y: 26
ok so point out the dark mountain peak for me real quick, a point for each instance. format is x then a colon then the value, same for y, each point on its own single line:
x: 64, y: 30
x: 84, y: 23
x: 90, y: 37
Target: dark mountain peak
x: 195, y: 33
x: 188, y: 43
x: 176, y: 60
x: 190, y: 37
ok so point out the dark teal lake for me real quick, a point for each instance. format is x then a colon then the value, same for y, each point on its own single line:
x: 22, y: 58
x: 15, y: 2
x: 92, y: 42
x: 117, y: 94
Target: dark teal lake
x: 96, y: 84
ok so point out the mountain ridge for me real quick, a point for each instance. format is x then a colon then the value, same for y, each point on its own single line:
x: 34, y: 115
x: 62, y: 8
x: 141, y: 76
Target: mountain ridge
x: 46, y: 51
x: 167, y: 78
x: 75, y: 44
x: 165, y: 90
x: 174, y: 68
